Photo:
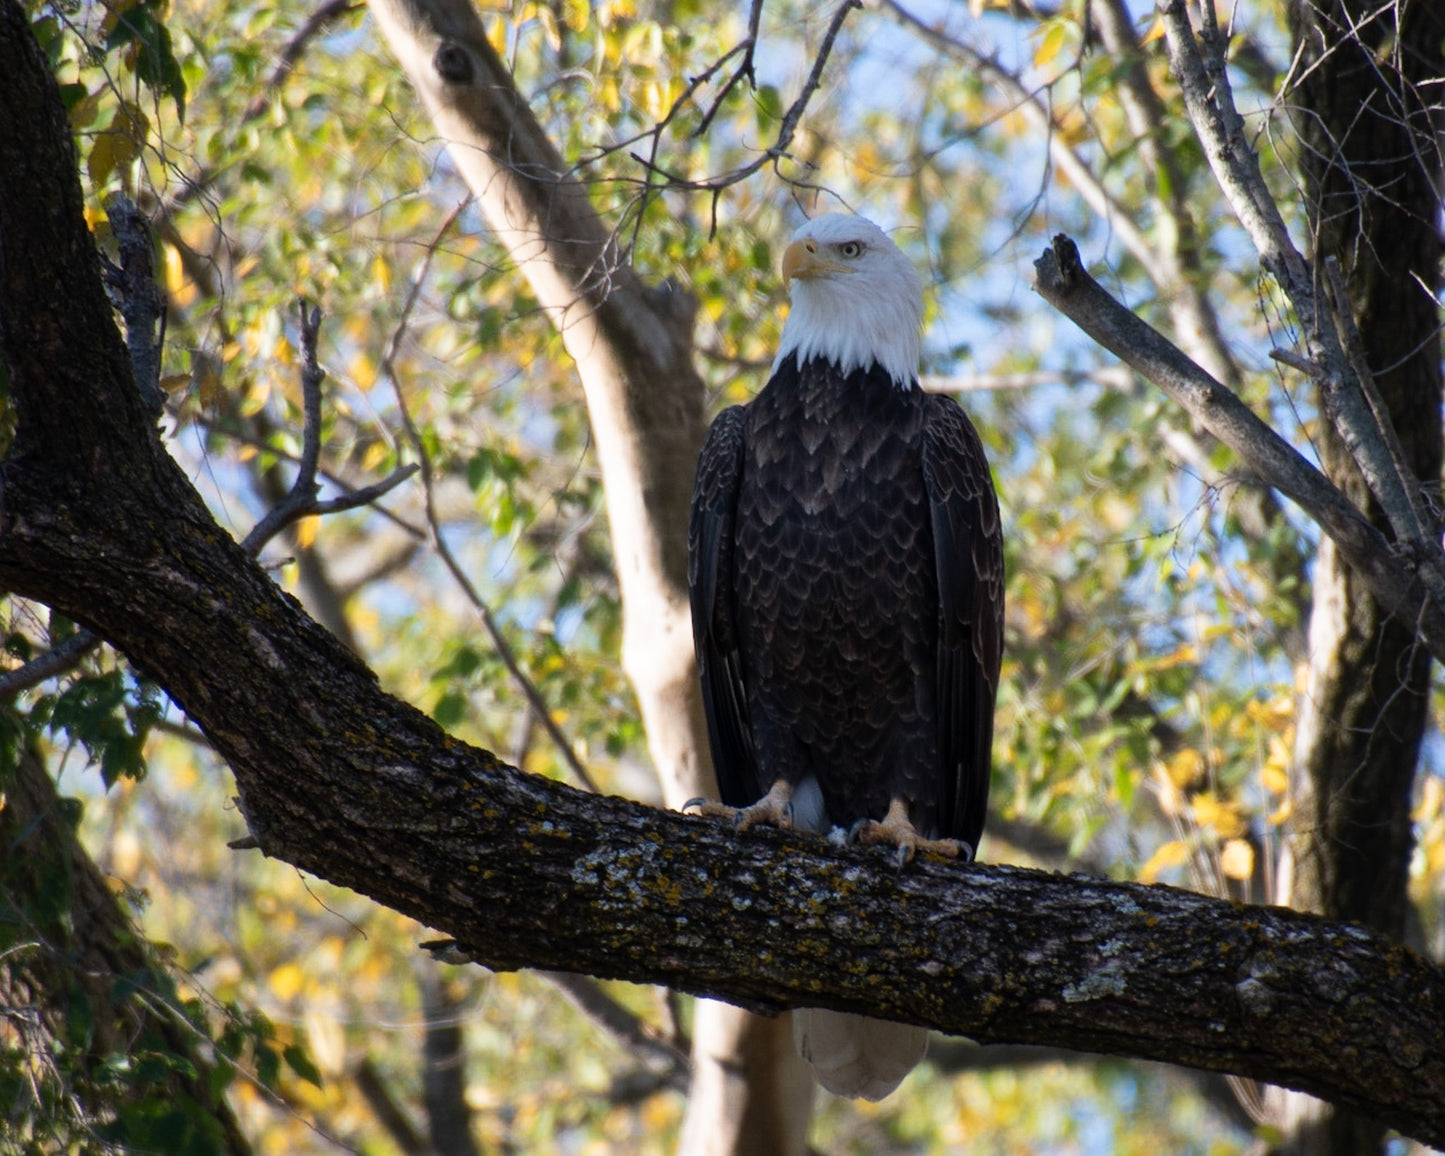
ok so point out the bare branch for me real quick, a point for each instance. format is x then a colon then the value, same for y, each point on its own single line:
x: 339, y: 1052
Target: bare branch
x: 1199, y: 64
x: 1067, y: 286
x: 1209, y: 102
x: 787, y: 127
x: 1033, y: 105
x: 366, y: 495
x: 1413, y: 522
x: 373, y: 1088
x: 657, y: 1055
x: 301, y: 501
x: 53, y: 663
x: 133, y: 287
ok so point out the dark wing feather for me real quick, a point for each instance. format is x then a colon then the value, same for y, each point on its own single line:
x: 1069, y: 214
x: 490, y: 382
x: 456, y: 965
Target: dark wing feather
x: 968, y: 548
x: 714, y: 631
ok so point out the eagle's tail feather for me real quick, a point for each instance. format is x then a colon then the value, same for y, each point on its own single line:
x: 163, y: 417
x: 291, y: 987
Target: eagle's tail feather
x: 856, y: 1056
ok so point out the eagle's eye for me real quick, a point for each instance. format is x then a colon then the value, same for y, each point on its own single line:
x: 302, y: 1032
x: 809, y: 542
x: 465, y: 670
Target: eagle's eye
x: 851, y: 249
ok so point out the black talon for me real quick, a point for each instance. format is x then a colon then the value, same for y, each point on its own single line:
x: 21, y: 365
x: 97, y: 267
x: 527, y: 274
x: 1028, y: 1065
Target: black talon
x: 968, y: 852
x: 854, y: 829
x: 698, y: 802
x: 786, y: 821
x: 902, y: 855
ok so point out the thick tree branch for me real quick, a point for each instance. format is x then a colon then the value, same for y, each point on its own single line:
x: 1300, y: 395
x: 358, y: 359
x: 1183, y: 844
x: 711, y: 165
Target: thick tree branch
x: 1064, y: 283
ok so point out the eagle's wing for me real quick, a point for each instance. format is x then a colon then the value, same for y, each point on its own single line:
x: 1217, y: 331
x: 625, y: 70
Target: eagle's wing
x: 968, y: 546
x: 714, y: 631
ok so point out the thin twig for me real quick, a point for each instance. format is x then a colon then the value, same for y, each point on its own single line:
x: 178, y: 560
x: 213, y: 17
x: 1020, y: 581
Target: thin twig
x: 787, y: 128
x: 433, y: 523
x: 300, y: 502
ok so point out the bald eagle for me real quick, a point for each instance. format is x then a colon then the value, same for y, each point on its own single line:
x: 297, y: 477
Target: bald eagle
x: 846, y: 574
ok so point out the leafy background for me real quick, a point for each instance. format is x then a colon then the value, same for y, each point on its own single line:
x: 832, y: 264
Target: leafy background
x: 1154, y: 632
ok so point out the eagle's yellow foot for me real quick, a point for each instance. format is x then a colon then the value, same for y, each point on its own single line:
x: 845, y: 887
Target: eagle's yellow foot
x: 899, y: 832
x: 775, y: 809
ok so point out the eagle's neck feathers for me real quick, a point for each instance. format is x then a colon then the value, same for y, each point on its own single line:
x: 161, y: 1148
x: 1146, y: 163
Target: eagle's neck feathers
x: 868, y: 313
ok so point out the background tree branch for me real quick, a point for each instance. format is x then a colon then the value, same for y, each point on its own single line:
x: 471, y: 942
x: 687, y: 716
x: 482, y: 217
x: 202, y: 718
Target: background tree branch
x: 1064, y: 283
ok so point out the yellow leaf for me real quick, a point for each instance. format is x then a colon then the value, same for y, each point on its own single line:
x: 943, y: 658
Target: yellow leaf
x: 381, y: 274
x: 1052, y: 42
x: 105, y: 156
x: 181, y: 288
x: 118, y: 145
x: 363, y: 371
x: 209, y: 386
x: 1237, y: 859
x: 1274, y: 779
x: 497, y: 37
x: 306, y: 532
x: 1282, y: 812
x: 286, y: 981
x: 1182, y: 655
x: 576, y: 13
x: 1185, y: 767
x: 1222, y: 817
x: 374, y: 454
x: 1432, y: 800
x: 1172, y: 854
x: 1156, y: 30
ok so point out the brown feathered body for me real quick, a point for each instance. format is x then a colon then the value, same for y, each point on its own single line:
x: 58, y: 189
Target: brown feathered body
x: 847, y: 598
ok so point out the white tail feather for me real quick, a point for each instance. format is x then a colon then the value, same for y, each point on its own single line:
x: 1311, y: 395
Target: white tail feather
x: 856, y: 1056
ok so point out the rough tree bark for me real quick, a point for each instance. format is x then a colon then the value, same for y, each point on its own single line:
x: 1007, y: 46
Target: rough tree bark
x: 632, y: 345
x: 347, y: 783
x: 1368, y: 73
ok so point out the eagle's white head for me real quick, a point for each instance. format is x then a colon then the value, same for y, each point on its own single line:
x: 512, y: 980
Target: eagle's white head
x: 856, y: 298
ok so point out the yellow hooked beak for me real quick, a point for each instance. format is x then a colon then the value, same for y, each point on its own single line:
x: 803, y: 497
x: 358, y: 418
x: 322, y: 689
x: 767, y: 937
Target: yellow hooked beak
x: 801, y: 260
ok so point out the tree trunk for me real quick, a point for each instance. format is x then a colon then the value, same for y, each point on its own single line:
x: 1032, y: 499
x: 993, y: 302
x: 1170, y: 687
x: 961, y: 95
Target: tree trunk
x: 1372, y: 180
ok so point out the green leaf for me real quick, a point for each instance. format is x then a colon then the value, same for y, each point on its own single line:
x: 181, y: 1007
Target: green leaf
x: 768, y: 106
x: 268, y: 1065
x: 300, y: 1063
x: 155, y: 59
